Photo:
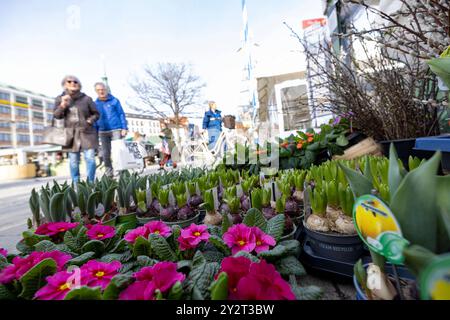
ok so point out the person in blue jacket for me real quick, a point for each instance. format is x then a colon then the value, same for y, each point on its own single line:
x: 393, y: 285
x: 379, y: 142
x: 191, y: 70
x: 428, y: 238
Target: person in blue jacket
x: 112, y: 123
x: 212, y: 121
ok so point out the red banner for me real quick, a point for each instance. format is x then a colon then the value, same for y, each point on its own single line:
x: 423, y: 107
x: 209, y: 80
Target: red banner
x: 308, y: 23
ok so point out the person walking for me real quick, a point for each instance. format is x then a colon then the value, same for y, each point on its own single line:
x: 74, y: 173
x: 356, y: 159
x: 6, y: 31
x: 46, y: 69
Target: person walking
x: 212, y: 121
x: 112, y: 124
x: 167, y: 146
x: 79, y: 113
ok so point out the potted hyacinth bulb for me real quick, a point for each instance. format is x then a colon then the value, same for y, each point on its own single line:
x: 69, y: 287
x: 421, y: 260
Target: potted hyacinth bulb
x: 234, y: 207
x: 144, y: 212
x: 212, y: 216
x: 194, y: 198
x: 289, y: 227
x: 317, y: 220
x: 338, y: 199
x: 154, y: 206
x: 292, y: 208
x: 167, y: 211
x: 228, y: 193
x: 231, y: 205
x: 245, y: 197
x: 185, y: 215
x: 298, y: 179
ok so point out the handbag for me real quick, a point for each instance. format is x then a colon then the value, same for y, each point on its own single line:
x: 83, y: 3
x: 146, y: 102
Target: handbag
x: 58, y: 135
x: 125, y: 155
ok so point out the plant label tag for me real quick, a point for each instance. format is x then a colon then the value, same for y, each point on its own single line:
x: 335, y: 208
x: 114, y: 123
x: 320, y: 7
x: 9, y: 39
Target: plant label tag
x: 239, y: 191
x: 277, y: 192
x: 435, y: 279
x: 172, y: 199
x: 378, y: 228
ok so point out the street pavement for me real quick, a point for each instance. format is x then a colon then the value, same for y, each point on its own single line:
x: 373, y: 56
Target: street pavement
x: 14, y: 209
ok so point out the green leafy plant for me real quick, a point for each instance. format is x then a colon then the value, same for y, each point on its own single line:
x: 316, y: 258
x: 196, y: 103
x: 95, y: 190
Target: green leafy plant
x: 280, y: 204
x: 332, y: 194
x: 257, y: 195
x: 234, y: 204
x: 208, y: 203
x: 318, y: 200
x: 142, y: 200
x: 346, y: 199
x: 419, y: 205
x: 163, y: 197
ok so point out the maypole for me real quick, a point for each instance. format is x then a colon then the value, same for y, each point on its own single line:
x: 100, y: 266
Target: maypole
x: 249, y: 64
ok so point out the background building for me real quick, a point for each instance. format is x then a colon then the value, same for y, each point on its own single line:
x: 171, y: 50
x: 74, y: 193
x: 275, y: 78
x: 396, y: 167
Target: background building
x: 315, y: 35
x: 143, y: 124
x: 23, y: 116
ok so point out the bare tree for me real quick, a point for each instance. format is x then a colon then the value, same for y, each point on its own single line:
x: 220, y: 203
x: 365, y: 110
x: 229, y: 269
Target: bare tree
x: 418, y: 28
x: 167, y: 89
x: 390, y: 96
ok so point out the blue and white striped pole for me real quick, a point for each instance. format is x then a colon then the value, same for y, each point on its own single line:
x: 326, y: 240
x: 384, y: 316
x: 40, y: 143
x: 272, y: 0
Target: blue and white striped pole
x: 247, y: 50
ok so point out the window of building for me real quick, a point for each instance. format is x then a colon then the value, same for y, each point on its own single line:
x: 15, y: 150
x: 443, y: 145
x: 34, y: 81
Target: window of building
x: 49, y: 117
x: 22, y: 112
x: 38, y: 139
x: 22, y: 125
x: 22, y: 99
x: 5, y: 110
x: 38, y: 126
x: 5, y: 125
x: 4, y: 96
x: 38, y: 115
x: 37, y: 103
x: 5, y: 137
x: 23, y: 138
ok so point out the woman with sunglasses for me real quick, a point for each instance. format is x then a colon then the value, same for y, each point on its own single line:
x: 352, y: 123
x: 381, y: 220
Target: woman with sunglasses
x: 79, y: 113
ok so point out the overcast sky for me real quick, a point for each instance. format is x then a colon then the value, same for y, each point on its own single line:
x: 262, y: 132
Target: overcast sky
x: 43, y: 40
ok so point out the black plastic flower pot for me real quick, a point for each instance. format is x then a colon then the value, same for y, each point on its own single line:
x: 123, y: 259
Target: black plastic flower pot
x: 202, y: 214
x: 111, y: 221
x: 185, y: 223
x: 402, y: 272
x: 144, y: 220
x: 330, y: 267
x: 289, y: 236
x: 345, y: 248
x: 355, y: 138
x: 405, y: 148
x: 128, y: 221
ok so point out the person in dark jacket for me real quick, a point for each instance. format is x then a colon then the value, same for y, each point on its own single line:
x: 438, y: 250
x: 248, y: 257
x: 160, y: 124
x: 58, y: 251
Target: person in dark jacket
x: 79, y: 113
x: 112, y: 124
x: 212, y: 121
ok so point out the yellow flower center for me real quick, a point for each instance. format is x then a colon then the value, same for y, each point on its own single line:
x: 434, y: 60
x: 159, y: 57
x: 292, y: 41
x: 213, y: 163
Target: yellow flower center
x: 65, y: 286
x: 62, y: 229
x: 156, y: 232
x: 258, y: 243
x: 197, y: 234
x: 99, y: 274
x: 100, y: 235
x: 234, y: 289
x: 241, y: 242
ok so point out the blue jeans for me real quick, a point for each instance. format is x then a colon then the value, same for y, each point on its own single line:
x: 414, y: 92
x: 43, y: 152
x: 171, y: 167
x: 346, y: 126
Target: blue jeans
x: 74, y: 162
x: 213, y: 135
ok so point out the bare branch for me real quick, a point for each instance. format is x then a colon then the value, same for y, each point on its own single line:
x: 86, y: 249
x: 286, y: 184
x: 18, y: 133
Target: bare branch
x: 167, y: 89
